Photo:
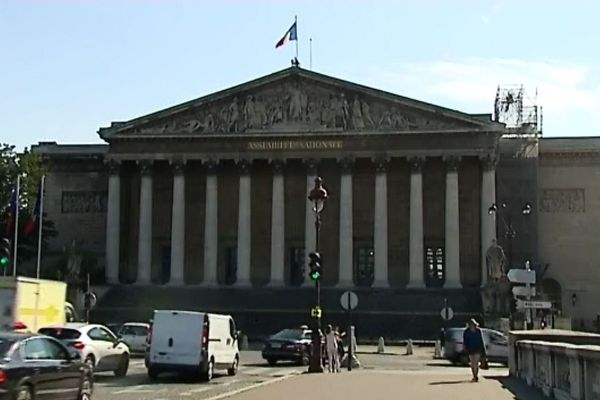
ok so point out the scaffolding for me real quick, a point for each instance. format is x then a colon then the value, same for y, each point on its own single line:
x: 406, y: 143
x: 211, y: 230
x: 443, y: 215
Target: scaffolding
x: 518, y: 111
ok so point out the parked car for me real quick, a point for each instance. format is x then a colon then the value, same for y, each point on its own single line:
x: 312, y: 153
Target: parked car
x: 40, y: 367
x: 496, y: 346
x: 97, y: 345
x: 288, y: 345
x: 135, y: 335
x: 187, y: 341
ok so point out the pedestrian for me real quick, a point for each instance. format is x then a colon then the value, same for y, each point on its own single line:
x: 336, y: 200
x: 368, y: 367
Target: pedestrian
x: 340, y: 342
x: 473, y: 346
x: 333, y: 361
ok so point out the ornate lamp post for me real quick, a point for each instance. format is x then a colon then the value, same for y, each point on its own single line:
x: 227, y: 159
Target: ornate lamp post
x: 317, y: 196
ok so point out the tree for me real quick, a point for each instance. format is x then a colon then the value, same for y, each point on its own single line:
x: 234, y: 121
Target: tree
x: 30, y: 167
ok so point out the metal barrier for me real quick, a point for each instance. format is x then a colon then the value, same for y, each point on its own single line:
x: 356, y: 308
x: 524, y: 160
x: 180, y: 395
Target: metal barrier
x: 562, y: 370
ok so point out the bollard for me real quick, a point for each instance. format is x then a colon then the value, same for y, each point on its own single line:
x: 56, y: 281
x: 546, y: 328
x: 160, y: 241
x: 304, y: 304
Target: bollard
x: 437, y: 353
x: 381, y: 346
x: 409, y: 347
x: 244, y: 343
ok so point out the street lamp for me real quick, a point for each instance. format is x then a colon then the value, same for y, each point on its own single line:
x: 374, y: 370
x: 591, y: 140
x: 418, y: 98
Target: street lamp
x: 317, y: 196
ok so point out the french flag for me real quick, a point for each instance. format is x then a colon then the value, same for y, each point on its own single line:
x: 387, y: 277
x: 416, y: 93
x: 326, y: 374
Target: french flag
x: 12, y: 211
x: 33, y: 219
x: 291, y: 34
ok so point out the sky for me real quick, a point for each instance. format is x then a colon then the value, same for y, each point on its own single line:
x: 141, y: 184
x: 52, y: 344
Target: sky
x: 70, y: 67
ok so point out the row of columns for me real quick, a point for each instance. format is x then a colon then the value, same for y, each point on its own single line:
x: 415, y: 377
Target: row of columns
x: 346, y: 262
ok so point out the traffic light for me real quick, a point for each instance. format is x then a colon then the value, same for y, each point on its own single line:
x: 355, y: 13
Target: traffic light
x: 315, y: 267
x: 5, y: 253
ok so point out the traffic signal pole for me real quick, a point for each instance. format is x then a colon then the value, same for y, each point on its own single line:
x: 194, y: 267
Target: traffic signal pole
x: 316, y: 364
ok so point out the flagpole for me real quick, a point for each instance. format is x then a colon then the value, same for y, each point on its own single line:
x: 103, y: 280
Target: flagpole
x: 16, y: 237
x: 41, y: 222
x: 296, y: 23
x: 310, y: 50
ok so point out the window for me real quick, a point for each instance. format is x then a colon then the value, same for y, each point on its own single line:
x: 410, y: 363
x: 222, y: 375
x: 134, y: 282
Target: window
x: 232, y: 330
x: 134, y: 330
x: 435, y: 269
x: 101, y: 334
x: 365, y: 266
x: 56, y: 351
x: 230, y: 265
x: 36, y: 350
x: 297, y: 266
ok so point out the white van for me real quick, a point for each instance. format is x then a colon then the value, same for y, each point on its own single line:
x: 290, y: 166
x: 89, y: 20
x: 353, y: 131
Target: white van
x: 188, y: 341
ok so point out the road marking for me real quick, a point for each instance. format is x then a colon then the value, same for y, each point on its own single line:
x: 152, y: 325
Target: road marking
x: 247, y: 388
x: 139, y: 389
x: 193, y: 391
x: 252, y: 371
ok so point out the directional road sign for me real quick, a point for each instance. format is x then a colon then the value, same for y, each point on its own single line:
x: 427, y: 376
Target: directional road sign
x: 447, y: 313
x: 522, y: 304
x: 349, y: 300
x: 523, y: 291
x: 526, y: 276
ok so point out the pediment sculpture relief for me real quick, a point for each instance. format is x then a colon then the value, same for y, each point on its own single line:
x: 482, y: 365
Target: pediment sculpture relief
x: 294, y: 106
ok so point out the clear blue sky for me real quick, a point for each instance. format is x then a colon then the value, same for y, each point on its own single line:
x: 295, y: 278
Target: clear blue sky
x: 70, y: 67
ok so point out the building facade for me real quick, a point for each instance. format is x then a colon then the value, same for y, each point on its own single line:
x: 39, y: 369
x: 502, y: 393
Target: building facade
x: 210, y: 197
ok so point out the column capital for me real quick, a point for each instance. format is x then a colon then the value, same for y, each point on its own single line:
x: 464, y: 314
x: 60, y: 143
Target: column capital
x: 277, y: 164
x: 244, y: 166
x: 346, y: 164
x: 416, y: 164
x: 489, y: 161
x: 452, y: 162
x: 312, y: 165
x: 211, y: 165
x: 145, y: 166
x: 178, y: 166
x: 381, y: 163
x: 114, y: 166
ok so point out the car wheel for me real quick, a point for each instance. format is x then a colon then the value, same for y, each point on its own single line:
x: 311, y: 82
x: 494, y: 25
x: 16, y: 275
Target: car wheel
x: 463, y: 359
x: 305, y: 360
x: 207, y: 375
x: 234, y: 367
x: 152, y: 373
x: 123, y: 366
x: 24, y: 393
x: 87, y: 387
x: 271, y: 361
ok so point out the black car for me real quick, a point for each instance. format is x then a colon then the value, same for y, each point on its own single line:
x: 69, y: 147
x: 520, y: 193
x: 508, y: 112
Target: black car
x: 288, y: 345
x: 40, y: 367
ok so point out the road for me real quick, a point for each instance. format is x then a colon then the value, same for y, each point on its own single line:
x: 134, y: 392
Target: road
x: 254, y: 373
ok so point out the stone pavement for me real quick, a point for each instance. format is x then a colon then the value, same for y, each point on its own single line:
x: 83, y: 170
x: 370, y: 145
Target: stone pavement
x: 384, y: 385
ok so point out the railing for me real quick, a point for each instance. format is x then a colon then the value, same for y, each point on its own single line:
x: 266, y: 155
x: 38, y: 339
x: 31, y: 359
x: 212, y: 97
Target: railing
x: 562, y: 370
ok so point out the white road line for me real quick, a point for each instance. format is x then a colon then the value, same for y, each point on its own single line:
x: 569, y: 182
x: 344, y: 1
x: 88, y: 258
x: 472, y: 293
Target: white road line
x: 247, y: 388
x: 194, y: 391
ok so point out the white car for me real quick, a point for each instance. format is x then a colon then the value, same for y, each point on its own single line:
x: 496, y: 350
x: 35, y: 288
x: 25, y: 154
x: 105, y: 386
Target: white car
x: 188, y: 341
x: 98, y: 346
x: 135, y: 335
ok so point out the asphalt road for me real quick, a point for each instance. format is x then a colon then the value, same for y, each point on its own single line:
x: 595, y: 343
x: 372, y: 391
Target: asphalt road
x: 254, y: 372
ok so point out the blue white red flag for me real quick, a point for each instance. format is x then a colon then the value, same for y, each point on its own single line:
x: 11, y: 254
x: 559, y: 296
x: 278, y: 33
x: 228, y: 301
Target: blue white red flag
x: 291, y: 34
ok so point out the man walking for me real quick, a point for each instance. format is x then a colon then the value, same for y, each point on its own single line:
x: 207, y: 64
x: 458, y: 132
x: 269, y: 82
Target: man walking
x: 474, y: 347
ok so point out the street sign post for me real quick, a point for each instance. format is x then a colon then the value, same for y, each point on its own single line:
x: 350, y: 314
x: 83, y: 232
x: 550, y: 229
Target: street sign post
x: 523, y: 291
x: 526, y: 276
x: 526, y: 304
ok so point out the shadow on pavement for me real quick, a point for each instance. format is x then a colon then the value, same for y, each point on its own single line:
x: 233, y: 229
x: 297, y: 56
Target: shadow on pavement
x: 266, y: 365
x: 518, y: 388
x: 450, y: 382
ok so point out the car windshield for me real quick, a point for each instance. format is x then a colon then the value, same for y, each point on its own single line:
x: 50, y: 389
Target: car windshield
x: 288, y: 334
x: 5, y: 346
x: 456, y: 333
x: 133, y: 330
x: 61, y: 333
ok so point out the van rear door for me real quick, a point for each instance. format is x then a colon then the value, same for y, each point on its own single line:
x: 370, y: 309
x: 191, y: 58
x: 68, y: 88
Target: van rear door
x: 177, y: 338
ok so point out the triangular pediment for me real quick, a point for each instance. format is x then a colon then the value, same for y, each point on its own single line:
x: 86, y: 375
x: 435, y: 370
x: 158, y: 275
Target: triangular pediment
x: 296, y: 100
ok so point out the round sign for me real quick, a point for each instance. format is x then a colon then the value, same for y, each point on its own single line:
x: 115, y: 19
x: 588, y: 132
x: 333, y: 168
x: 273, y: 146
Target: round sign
x: 447, y: 313
x: 349, y: 300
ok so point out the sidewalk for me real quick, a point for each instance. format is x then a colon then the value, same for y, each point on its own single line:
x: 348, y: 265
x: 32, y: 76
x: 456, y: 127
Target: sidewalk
x: 383, y: 385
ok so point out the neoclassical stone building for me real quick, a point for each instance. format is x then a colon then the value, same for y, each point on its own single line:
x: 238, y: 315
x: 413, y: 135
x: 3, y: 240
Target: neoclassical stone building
x: 204, y: 205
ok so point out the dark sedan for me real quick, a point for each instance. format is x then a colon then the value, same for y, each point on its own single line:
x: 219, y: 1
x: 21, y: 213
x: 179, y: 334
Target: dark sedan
x: 288, y: 345
x: 41, y: 368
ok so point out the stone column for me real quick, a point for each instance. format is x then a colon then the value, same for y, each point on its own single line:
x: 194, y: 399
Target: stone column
x: 452, y: 232
x: 380, y: 245
x: 310, y: 243
x: 145, y: 225
x: 178, y: 225
x: 113, y: 223
x: 488, y: 221
x: 211, y: 226
x: 244, y: 226
x: 416, y: 272
x: 277, y: 226
x: 346, y: 229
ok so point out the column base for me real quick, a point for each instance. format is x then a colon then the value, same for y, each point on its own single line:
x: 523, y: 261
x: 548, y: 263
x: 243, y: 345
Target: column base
x: 381, y: 284
x: 143, y: 282
x: 276, y: 284
x: 242, y: 284
x: 415, y: 285
x: 176, y: 282
x: 453, y: 285
x: 345, y: 284
x: 209, y: 284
